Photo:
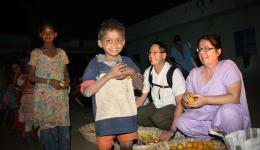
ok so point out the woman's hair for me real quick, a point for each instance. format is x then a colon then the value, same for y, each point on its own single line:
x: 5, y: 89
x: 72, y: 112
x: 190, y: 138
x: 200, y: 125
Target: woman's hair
x: 214, y: 39
x: 109, y: 25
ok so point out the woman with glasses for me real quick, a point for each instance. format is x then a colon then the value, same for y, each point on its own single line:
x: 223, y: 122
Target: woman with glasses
x: 220, y: 105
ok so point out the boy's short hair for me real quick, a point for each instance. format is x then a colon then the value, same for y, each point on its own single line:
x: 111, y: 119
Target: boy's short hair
x: 110, y: 24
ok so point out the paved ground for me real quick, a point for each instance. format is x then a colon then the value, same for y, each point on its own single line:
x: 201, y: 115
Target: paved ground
x: 9, y: 140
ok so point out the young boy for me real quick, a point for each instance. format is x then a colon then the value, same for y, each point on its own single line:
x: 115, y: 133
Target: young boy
x: 109, y: 78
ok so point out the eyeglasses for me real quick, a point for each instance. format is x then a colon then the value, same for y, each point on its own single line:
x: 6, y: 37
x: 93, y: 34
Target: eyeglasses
x: 153, y: 53
x: 207, y: 49
x: 110, y: 41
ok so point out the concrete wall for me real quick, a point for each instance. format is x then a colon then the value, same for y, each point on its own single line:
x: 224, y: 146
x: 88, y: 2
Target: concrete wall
x: 193, y: 19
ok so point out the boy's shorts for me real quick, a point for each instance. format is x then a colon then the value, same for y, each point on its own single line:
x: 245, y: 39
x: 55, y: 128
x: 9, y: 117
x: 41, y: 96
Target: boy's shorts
x: 106, y: 142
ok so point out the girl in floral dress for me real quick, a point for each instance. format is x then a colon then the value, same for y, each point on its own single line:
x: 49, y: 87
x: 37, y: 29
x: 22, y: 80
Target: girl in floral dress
x: 49, y: 72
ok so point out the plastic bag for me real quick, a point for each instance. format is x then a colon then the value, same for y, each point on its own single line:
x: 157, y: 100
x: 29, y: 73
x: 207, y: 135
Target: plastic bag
x: 248, y: 139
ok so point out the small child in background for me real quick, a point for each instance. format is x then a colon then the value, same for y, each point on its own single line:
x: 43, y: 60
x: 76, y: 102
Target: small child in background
x: 20, y: 76
x: 9, y: 98
x: 9, y: 105
x: 26, y: 110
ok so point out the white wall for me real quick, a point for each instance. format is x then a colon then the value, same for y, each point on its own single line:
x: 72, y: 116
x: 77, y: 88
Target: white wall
x: 191, y: 20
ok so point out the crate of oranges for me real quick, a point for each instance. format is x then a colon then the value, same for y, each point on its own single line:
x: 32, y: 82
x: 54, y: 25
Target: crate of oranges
x: 196, y: 144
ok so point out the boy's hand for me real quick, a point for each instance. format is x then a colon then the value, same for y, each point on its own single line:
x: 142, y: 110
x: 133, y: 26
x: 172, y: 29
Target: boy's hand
x: 117, y: 70
x: 127, y: 73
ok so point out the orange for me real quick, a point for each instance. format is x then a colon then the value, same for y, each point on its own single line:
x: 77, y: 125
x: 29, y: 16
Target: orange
x: 180, y: 146
x: 189, y: 145
x: 191, y: 99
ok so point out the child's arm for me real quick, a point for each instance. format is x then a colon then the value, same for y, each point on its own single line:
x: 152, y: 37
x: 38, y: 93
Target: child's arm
x: 116, y: 72
x: 32, y: 77
x: 137, y: 81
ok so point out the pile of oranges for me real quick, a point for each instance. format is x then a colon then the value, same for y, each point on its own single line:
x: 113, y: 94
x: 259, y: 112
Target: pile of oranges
x: 194, y: 145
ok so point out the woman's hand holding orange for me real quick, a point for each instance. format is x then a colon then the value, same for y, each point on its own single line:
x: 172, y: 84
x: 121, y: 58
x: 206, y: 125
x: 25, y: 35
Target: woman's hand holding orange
x: 200, y: 101
x: 187, y: 99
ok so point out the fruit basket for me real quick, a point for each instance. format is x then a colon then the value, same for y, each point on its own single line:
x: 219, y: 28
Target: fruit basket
x: 149, y: 135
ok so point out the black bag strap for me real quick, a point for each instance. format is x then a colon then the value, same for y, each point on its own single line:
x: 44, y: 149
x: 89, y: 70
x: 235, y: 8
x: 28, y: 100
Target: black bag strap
x: 150, y: 77
x: 168, y: 77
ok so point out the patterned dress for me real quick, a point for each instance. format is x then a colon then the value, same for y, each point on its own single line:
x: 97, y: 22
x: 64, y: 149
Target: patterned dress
x: 51, y: 105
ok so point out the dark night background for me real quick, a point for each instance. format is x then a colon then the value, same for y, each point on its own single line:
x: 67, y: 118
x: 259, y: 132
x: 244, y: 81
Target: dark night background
x: 74, y: 19
x: 77, y: 18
